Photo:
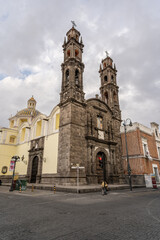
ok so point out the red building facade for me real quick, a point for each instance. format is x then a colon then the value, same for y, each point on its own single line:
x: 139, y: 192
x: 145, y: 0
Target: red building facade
x: 143, y: 150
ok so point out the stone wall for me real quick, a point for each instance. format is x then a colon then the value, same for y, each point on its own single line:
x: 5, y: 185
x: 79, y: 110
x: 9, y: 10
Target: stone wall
x: 72, y: 144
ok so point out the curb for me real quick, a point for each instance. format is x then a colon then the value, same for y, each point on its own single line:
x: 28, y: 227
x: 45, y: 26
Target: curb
x: 80, y: 190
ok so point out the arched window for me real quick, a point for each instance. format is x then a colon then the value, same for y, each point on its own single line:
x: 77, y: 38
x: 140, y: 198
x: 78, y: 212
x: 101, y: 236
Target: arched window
x: 77, y: 77
x: 67, y: 77
x: 57, y: 121
x: 106, y: 97
x: 76, y: 53
x: 68, y: 53
x: 39, y: 128
x: 112, y: 78
x: 105, y: 78
x: 104, y: 65
x: 23, y: 132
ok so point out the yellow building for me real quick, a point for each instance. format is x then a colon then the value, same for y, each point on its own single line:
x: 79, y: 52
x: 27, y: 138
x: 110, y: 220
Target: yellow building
x: 33, y: 137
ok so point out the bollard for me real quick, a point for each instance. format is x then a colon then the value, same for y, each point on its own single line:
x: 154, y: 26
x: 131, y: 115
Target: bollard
x: 54, y: 189
x: 32, y: 187
x: 20, y: 189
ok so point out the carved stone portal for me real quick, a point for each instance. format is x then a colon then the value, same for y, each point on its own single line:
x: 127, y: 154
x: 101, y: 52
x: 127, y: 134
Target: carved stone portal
x: 34, y: 171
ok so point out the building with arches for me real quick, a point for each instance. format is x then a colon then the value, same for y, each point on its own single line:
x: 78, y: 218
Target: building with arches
x: 76, y: 132
x: 34, y: 137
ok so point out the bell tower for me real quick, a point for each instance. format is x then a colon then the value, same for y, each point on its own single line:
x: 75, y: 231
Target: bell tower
x: 109, y: 94
x: 72, y: 67
x: 72, y: 149
x: 109, y: 89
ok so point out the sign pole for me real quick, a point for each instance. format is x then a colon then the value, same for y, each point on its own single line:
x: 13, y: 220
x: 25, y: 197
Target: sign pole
x: 11, y: 188
x: 78, y: 168
x: 104, y: 173
x: 15, y: 159
x: 77, y: 178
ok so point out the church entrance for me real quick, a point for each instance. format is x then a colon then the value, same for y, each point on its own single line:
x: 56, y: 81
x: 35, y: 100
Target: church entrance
x: 99, y: 169
x: 34, y: 169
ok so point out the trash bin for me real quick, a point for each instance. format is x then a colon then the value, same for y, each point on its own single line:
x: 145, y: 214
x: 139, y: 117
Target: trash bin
x: 17, y: 185
x: 22, y: 183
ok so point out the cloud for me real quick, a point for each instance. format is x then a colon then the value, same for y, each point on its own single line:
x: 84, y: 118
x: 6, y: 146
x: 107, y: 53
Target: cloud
x: 32, y: 34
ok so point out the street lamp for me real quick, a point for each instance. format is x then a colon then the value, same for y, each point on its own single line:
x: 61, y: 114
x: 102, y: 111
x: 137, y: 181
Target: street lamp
x: 125, y: 131
x: 15, y: 159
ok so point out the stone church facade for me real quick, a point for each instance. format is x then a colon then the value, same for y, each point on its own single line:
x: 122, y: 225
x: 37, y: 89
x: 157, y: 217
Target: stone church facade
x: 51, y: 146
x: 88, y: 128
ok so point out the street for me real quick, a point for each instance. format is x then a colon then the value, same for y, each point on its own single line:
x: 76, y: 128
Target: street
x: 65, y: 216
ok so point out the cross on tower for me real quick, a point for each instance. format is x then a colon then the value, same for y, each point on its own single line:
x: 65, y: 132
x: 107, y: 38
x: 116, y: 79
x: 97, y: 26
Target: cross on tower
x: 107, y: 54
x: 73, y: 24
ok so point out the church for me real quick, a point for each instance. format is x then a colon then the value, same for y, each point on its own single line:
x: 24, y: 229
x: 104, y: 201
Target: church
x: 77, y: 132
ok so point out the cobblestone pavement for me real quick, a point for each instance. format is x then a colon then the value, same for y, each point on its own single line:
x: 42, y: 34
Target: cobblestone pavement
x: 120, y: 215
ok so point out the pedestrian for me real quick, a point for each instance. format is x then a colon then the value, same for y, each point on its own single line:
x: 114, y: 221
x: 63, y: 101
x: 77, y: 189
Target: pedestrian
x: 104, y: 188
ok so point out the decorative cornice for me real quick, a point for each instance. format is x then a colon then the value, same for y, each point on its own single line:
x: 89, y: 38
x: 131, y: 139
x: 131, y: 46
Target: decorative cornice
x: 71, y: 100
x: 101, y: 140
x: 35, y: 149
x: 141, y: 156
x: 100, y: 109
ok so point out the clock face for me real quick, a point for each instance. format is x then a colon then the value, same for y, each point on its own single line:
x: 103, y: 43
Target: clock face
x: 101, y: 134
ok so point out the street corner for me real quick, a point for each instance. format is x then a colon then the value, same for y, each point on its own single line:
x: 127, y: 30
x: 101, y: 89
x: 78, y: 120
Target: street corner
x: 20, y: 192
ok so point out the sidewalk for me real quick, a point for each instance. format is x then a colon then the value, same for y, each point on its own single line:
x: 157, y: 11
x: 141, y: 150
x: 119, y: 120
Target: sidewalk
x: 74, y: 189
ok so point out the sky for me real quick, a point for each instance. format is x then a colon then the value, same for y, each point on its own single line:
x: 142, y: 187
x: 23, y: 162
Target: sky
x: 31, y: 38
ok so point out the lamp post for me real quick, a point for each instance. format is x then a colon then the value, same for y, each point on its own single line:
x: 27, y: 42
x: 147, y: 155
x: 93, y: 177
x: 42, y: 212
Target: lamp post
x: 15, y: 159
x: 125, y: 131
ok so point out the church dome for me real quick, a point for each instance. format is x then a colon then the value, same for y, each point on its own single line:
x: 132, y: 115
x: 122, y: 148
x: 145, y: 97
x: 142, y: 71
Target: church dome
x: 28, y: 112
